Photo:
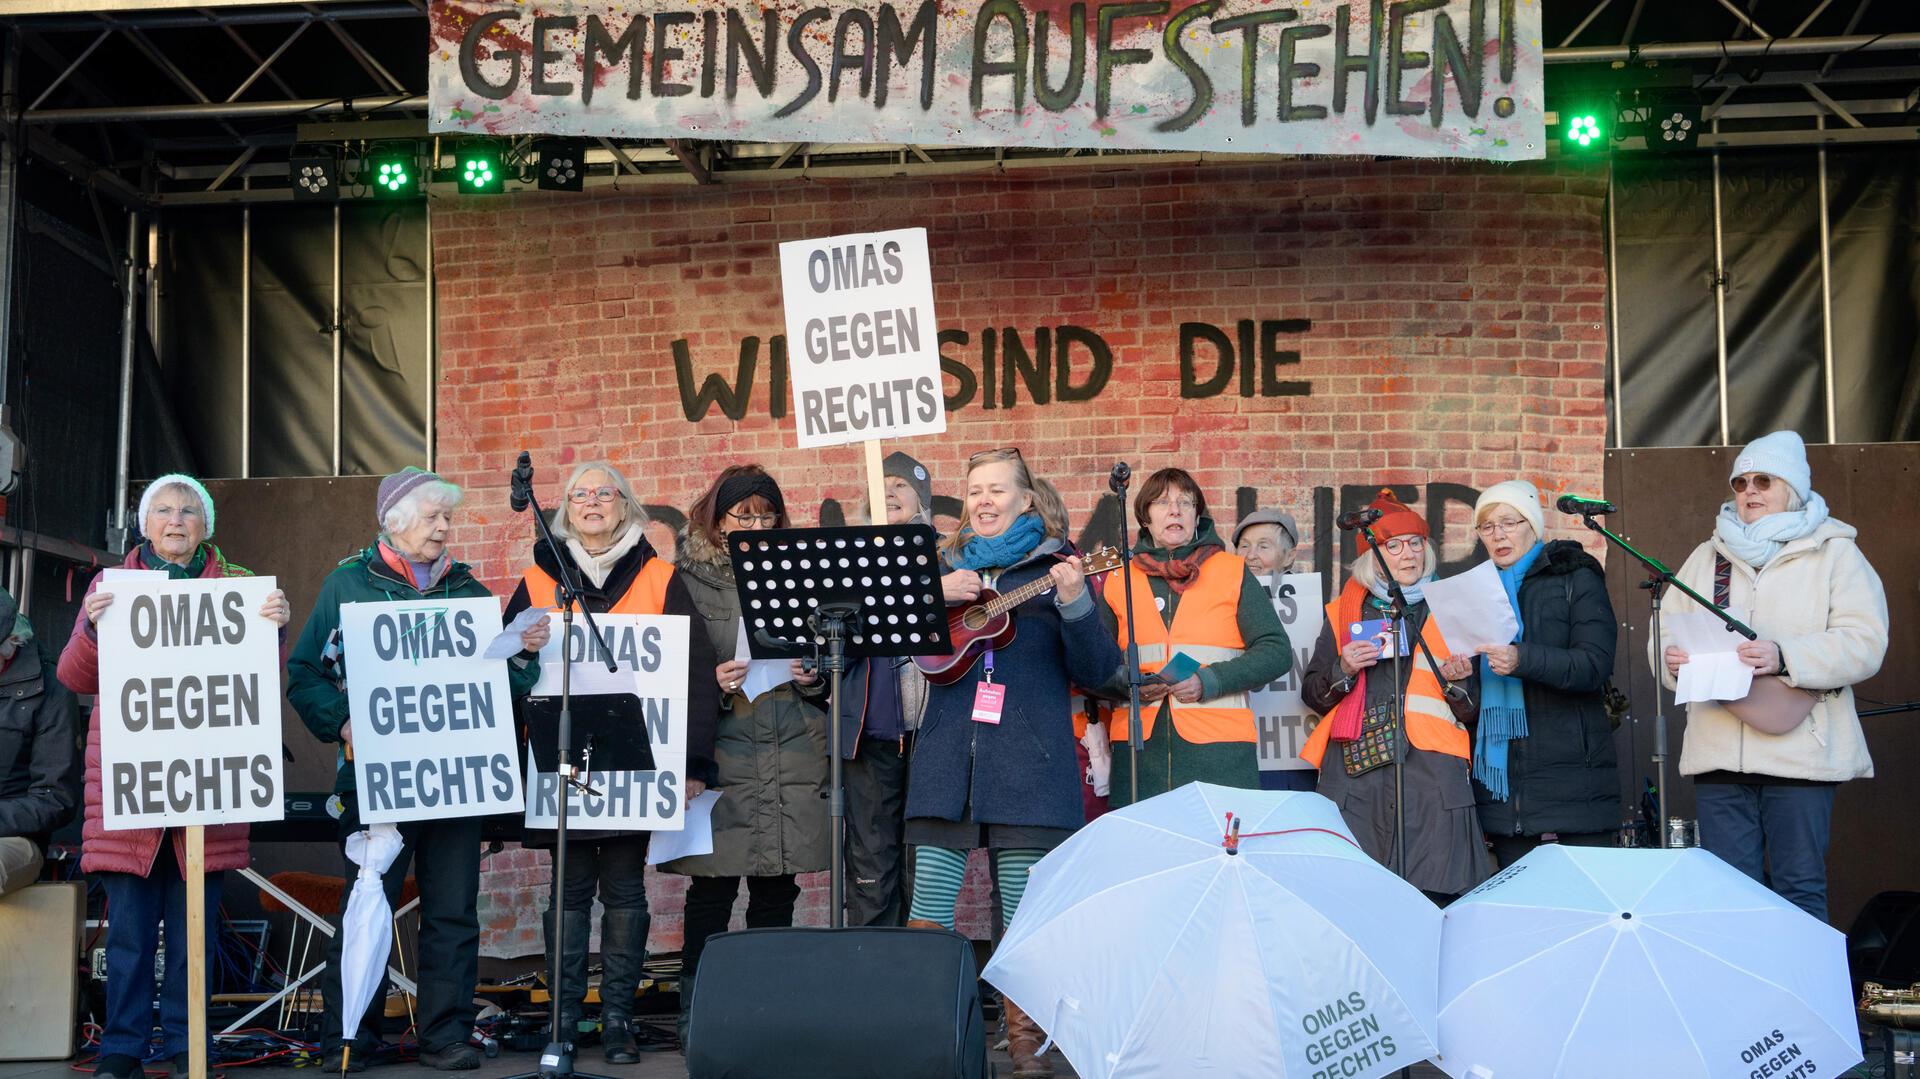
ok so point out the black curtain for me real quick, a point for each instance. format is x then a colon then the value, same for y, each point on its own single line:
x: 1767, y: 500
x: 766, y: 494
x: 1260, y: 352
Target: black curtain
x: 386, y: 369
x: 292, y: 298
x: 1663, y: 274
x: 1770, y: 228
x: 1873, y: 199
x: 202, y: 327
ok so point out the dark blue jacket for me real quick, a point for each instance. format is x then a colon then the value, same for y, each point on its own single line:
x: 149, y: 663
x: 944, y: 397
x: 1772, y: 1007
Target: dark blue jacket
x: 1024, y: 770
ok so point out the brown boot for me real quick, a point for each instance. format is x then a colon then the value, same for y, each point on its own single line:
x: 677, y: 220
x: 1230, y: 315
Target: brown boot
x: 922, y: 923
x: 1024, y: 1039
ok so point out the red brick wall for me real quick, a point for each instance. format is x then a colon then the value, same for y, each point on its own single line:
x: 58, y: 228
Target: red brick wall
x: 1454, y: 334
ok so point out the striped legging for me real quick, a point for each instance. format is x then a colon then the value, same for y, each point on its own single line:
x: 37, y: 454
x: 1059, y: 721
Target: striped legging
x: 938, y: 873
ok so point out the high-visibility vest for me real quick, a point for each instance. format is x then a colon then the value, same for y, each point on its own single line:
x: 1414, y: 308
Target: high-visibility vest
x: 1430, y: 722
x: 646, y: 595
x: 1206, y: 626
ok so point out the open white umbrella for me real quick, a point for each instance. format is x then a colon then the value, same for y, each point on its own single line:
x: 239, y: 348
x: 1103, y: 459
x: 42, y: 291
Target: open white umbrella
x: 1599, y: 962
x: 1148, y: 945
x: 366, y: 927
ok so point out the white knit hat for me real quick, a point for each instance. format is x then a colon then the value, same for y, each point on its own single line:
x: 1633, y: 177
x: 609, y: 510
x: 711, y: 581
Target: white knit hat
x: 177, y: 479
x: 1524, y: 497
x: 1782, y: 454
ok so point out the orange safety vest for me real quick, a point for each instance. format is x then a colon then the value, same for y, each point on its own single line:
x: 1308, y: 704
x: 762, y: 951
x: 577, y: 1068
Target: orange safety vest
x: 646, y: 595
x: 1206, y: 626
x: 1430, y: 722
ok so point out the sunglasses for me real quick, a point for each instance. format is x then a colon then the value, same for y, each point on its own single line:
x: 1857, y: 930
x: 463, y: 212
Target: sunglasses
x: 1761, y: 482
x: 987, y: 456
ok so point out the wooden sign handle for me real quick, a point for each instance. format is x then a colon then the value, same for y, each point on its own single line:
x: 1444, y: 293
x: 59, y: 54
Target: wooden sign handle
x: 197, y: 951
x: 876, y: 484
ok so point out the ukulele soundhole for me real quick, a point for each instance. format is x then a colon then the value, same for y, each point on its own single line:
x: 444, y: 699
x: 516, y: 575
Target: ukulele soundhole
x: 975, y: 618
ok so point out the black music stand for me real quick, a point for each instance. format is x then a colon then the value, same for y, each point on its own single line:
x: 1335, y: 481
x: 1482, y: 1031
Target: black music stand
x: 830, y: 593
x: 604, y: 735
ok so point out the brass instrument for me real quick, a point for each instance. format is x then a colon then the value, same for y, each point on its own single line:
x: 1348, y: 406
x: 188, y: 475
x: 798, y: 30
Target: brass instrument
x: 1891, y: 1007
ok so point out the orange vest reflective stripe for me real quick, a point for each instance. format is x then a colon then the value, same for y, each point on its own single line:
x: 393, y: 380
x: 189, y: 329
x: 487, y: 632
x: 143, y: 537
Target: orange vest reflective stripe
x: 1206, y: 626
x: 1430, y: 722
x: 646, y: 595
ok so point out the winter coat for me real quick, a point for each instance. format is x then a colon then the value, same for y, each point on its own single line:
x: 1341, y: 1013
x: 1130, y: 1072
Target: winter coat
x: 39, y: 786
x: 1824, y: 605
x: 365, y: 577
x: 770, y: 755
x: 703, y: 696
x: 1562, y: 776
x: 1023, y: 770
x: 134, y: 850
x: 909, y: 683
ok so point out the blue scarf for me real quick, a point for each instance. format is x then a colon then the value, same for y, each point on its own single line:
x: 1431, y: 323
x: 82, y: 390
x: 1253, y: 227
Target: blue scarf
x: 1503, y: 699
x: 1005, y: 549
x: 1414, y: 593
x: 1757, y: 543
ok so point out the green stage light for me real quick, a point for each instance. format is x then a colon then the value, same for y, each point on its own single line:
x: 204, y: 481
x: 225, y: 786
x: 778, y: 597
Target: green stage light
x: 1583, y: 130
x: 481, y: 170
x: 392, y: 172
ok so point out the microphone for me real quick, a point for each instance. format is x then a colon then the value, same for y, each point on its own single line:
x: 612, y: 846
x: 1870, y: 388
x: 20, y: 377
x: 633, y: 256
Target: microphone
x: 1583, y: 507
x: 1355, y: 519
x: 1117, y: 479
x: 520, y: 488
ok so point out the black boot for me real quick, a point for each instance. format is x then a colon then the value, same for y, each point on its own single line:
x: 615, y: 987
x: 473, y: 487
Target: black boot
x: 623, y: 955
x: 579, y: 924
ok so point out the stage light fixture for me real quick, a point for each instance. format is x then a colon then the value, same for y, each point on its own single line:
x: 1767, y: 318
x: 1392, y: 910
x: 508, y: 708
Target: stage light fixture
x: 481, y: 167
x: 392, y: 171
x: 1584, y: 128
x: 1674, y: 124
x: 313, y: 172
x: 562, y: 164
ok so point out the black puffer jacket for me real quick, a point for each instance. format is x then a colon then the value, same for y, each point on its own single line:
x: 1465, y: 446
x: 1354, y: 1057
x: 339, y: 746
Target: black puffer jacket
x: 1562, y: 777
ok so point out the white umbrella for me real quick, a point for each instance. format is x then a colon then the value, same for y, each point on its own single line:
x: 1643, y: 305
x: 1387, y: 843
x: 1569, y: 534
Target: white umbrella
x: 1598, y: 962
x: 366, y: 927
x: 1145, y: 946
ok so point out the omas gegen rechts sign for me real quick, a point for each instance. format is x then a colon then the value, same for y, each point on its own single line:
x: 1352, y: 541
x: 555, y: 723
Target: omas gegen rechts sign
x: 1411, y: 78
x: 189, y: 703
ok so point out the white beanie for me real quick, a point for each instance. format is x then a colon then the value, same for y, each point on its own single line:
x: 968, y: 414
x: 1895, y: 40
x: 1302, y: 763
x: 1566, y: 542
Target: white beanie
x: 1524, y: 497
x: 1782, y: 454
x: 176, y: 479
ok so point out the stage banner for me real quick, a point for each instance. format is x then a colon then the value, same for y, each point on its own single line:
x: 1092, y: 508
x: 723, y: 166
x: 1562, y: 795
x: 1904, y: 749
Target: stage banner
x: 1412, y: 78
x: 1283, y: 721
x: 189, y: 703
x: 867, y: 366
x: 618, y: 715
x: 432, y: 719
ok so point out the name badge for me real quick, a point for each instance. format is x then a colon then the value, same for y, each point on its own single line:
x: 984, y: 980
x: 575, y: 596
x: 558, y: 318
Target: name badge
x: 988, y: 701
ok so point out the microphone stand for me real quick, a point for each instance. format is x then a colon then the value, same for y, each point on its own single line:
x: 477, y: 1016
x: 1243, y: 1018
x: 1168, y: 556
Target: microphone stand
x: 556, y: 1060
x: 1118, y: 483
x: 1658, y: 578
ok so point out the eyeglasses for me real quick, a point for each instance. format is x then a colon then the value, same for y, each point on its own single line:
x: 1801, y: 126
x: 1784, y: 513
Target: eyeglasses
x: 1761, y: 482
x: 185, y: 513
x: 592, y: 494
x: 756, y: 520
x: 1505, y: 527
x: 1168, y: 505
x: 1404, y: 543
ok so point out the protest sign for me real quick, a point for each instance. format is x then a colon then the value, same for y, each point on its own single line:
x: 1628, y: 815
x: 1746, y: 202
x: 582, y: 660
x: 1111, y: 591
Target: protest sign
x: 647, y: 698
x: 866, y: 359
x: 432, y: 718
x: 1282, y: 720
x: 189, y: 704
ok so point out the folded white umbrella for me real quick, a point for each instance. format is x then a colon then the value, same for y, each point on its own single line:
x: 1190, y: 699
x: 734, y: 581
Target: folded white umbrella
x: 366, y: 926
x: 1580, y: 961
x: 1147, y: 946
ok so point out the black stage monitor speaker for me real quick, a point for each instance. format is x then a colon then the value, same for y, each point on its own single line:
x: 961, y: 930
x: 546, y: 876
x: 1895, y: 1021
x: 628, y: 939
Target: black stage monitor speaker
x: 836, y: 1004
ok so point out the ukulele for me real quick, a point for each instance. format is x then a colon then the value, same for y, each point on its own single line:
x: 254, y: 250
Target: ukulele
x: 987, y: 622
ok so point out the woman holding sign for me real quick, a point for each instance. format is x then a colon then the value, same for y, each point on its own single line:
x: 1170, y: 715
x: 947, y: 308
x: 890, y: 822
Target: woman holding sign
x: 770, y: 751
x: 1543, y: 760
x: 602, y: 531
x: 1765, y: 768
x: 995, y: 766
x: 1202, y: 619
x: 143, y: 870
x: 1349, y: 682
x: 408, y: 561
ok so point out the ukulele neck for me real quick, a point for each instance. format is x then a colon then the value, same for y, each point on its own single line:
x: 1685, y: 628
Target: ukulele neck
x: 1007, y: 601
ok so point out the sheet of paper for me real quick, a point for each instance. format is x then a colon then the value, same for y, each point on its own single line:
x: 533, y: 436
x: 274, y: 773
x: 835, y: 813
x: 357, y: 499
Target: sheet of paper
x: 114, y: 574
x: 1699, y: 633
x: 1473, y: 610
x: 507, y: 644
x: 1712, y: 676
x: 763, y: 675
x: 695, y: 835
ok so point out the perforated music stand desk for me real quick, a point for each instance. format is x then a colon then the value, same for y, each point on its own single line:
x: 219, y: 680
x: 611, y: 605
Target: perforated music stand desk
x: 871, y: 590
x: 889, y: 573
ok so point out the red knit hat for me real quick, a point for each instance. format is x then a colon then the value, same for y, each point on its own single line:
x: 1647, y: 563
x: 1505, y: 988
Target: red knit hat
x: 1396, y: 519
